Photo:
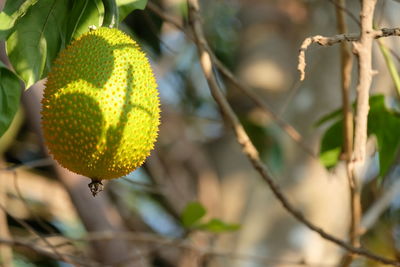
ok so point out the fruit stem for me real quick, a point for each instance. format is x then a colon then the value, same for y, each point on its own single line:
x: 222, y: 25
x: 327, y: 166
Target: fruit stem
x: 96, y: 186
x: 111, y: 14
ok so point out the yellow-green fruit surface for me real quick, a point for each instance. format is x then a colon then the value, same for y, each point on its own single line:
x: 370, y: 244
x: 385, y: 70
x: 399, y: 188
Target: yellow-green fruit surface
x: 100, y: 110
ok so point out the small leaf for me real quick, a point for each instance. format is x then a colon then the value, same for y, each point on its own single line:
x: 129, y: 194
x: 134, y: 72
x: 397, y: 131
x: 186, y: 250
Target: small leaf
x: 10, y: 94
x: 193, y: 212
x: 125, y: 7
x: 331, y: 144
x: 218, y: 226
x: 37, y: 38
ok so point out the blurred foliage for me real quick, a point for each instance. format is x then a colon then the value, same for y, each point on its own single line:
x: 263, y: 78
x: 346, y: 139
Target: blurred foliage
x: 146, y: 26
x: 266, y: 141
x: 380, y: 240
x: 221, y: 27
x: 383, y: 122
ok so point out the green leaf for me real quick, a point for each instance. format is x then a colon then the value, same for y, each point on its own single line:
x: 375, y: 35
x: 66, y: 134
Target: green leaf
x: 111, y: 14
x: 382, y: 122
x: 218, y: 226
x: 37, y: 39
x: 192, y: 213
x: 13, y: 10
x: 10, y: 94
x: 84, y: 13
x: 385, y: 125
x: 125, y: 7
x: 331, y: 144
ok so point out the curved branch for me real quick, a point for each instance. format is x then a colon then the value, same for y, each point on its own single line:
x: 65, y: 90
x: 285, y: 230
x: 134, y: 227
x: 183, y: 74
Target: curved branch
x: 328, y: 41
x: 248, y: 148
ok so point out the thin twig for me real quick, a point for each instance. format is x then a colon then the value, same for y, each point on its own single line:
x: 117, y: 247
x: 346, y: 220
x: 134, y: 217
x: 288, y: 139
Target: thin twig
x: 44, y: 162
x: 346, y: 68
x: 168, y: 18
x: 35, y: 233
x: 28, y: 208
x: 373, y: 214
x: 328, y: 41
x: 163, y: 242
x: 247, y: 146
x: 6, y: 253
x: 286, y: 127
x: 44, y: 252
x: 340, y: 6
x: 146, y: 187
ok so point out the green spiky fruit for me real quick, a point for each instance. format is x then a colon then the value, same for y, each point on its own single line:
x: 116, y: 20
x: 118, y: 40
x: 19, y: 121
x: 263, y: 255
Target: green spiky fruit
x: 100, y: 110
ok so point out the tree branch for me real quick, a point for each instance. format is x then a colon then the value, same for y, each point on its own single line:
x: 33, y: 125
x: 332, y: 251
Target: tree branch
x: 346, y: 68
x: 328, y: 41
x: 247, y: 146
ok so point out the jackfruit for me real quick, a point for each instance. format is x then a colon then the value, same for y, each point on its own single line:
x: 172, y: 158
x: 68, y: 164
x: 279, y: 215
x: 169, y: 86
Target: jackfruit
x: 100, y: 109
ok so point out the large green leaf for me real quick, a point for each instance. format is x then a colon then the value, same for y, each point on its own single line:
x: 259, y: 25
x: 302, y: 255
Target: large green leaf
x: 84, y: 13
x: 125, y: 7
x: 37, y: 38
x: 10, y: 93
x: 13, y: 10
x: 382, y: 122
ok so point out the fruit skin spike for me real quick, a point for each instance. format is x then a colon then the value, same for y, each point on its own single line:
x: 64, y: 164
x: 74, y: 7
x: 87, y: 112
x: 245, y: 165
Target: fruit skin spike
x: 100, y: 109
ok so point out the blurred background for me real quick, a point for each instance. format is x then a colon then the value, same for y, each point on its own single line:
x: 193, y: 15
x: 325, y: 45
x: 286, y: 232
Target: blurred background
x: 197, y: 159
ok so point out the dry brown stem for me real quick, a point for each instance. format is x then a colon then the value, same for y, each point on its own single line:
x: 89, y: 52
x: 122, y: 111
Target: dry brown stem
x: 247, y: 146
x: 328, y: 41
x: 340, y: 6
x: 6, y: 253
x: 363, y: 51
x: 346, y: 68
